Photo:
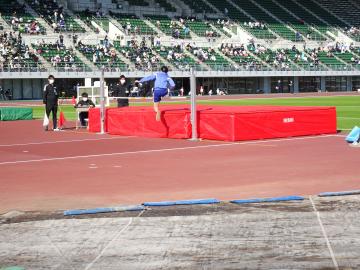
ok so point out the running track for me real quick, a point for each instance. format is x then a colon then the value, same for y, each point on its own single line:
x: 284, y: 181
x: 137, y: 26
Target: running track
x: 44, y: 171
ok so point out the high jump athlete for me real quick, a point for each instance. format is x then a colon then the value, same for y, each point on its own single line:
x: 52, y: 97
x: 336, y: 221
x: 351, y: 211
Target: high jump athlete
x: 163, y: 82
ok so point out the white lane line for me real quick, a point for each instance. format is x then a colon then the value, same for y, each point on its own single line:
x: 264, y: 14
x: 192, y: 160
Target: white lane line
x: 58, y: 250
x: 336, y: 266
x: 165, y: 149
x: 65, y: 141
x: 111, y: 241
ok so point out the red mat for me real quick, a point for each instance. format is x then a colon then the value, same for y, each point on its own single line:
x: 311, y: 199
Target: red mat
x: 227, y: 123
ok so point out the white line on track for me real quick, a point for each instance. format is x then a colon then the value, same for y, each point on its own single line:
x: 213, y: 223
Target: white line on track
x: 165, y: 149
x: 316, y: 212
x: 64, y: 141
x: 91, y: 264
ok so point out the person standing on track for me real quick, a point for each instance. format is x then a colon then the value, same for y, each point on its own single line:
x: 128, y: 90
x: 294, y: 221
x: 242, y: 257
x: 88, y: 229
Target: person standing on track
x: 122, y: 90
x: 163, y: 82
x: 50, y: 99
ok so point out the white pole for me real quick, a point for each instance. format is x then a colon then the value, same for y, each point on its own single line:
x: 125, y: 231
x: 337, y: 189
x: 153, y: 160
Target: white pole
x: 194, y: 136
x: 102, y: 102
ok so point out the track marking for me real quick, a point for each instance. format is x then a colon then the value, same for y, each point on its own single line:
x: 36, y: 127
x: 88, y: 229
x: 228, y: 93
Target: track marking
x: 165, y: 149
x: 58, y: 250
x: 111, y: 241
x: 69, y: 141
x: 336, y: 266
x: 266, y: 145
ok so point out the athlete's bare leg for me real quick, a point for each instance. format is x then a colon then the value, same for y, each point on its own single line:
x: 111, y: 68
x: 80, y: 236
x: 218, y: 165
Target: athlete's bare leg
x: 157, y: 110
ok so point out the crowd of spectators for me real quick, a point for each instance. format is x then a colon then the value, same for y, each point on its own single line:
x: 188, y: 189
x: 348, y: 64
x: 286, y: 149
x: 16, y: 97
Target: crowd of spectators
x: 142, y: 56
x: 177, y: 55
x: 178, y: 28
x: 352, y: 31
x: 242, y: 51
x: 102, y: 54
x: 58, y: 54
x: 14, y: 54
x: 255, y: 25
x: 24, y: 24
x: 54, y: 13
x: 202, y: 54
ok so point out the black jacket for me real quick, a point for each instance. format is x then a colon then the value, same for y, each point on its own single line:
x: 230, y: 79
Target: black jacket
x: 122, y: 90
x: 50, y: 95
x: 85, y: 104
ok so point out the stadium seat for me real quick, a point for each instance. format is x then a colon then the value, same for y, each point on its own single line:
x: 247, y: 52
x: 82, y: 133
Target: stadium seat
x: 60, y: 57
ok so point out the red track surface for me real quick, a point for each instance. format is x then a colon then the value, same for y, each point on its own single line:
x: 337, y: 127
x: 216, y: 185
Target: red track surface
x: 51, y: 171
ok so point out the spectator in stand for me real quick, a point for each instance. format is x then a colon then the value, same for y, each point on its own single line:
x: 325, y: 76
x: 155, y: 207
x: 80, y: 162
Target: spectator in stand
x: 14, y: 54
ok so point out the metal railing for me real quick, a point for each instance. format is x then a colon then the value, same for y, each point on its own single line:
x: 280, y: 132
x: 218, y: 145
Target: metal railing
x: 110, y: 68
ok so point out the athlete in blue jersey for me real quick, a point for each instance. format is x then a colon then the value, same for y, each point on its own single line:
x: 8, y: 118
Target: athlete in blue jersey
x: 163, y: 82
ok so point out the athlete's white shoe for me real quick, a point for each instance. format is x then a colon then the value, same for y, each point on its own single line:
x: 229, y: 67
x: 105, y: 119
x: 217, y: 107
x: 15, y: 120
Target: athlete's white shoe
x: 355, y: 144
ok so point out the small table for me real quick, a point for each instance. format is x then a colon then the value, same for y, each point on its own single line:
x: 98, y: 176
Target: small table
x: 78, y: 111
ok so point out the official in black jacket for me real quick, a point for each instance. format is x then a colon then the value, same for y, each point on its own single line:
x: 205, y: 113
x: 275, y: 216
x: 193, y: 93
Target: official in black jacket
x: 50, y: 99
x: 122, y: 89
x: 84, y: 102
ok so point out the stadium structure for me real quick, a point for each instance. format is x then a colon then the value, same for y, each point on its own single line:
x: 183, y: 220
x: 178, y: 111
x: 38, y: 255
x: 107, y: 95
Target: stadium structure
x: 242, y: 46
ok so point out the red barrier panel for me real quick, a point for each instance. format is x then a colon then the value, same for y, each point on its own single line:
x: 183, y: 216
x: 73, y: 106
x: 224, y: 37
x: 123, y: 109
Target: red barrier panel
x: 265, y: 122
x: 175, y: 122
x: 94, y: 119
x: 226, y: 123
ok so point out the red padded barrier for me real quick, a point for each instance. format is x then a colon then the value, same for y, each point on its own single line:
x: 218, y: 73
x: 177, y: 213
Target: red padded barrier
x: 265, y: 122
x: 226, y: 123
x: 175, y: 122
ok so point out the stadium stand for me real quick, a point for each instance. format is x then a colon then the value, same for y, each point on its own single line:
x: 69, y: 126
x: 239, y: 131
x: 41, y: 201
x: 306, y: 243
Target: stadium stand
x: 54, y: 14
x: 60, y: 57
x: 143, y: 57
x: 131, y: 24
x: 200, y: 28
x: 103, y: 55
x: 322, y: 13
x: 283, y: 37
x: 138, y: 3
x: 345, y: 9
x: 178, y: 57
x: 256, y: 28
x: 210, y: 57
x: 15, y: 56
x: 274, y: 24
x: 20, y: 20
x: 165, y: 5
x: 87, y: 17
x: 242, y: 55
x: 199, y: 6
x: 291, y: 21
x: 305, y: 16
x: 170, y: 27
x: 221, y: 24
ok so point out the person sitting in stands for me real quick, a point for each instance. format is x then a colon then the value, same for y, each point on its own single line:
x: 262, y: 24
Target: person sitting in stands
x: 84, y: 102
